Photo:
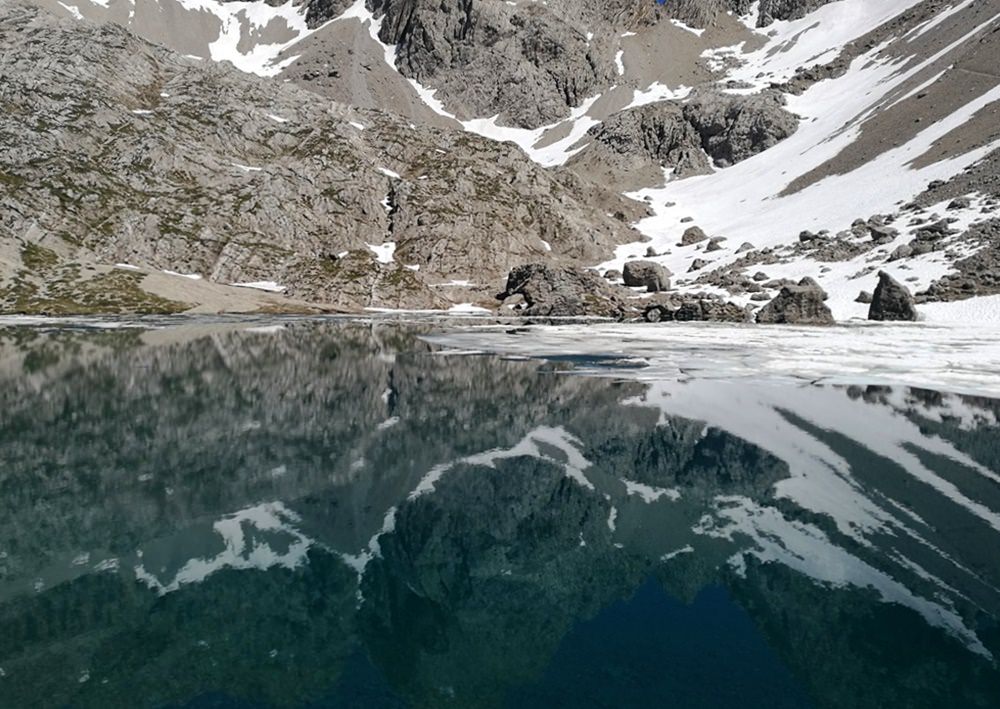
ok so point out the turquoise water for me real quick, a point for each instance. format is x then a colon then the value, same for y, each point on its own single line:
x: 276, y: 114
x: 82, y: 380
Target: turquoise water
x: 337, y: 515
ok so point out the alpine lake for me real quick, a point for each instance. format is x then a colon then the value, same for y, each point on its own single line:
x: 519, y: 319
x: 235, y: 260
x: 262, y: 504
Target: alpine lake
x: 343, y: 513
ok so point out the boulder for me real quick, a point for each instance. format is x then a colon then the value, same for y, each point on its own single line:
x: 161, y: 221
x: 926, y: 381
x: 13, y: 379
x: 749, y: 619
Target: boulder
x: 892, y: 300
x: 565, y: 291
x: 797, y: 305
x: 613, y: 275
x: 810, y: 282
x: 881, y: 233
x: 900, y: 252
x: 715, y: 243
x: 693, y: 235
x: 864, y: 297
x: 646, y: 274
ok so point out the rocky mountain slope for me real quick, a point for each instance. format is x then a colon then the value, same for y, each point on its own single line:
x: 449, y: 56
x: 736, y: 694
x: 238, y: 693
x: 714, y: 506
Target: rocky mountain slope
x: 806, y: 138
x: 198, y: 169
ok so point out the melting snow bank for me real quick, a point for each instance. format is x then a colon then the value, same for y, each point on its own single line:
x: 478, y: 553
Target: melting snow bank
x: 958, y: 358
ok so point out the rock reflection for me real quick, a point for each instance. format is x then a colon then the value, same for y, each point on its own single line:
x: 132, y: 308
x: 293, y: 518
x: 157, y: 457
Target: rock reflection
x: 328, y: 514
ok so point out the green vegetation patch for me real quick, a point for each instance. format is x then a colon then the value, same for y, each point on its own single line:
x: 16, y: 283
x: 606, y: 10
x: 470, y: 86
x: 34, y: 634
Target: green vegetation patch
x: 46, y: 287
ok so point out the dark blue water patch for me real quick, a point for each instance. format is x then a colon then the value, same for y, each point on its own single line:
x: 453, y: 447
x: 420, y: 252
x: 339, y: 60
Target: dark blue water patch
x: 361, y: 686
x: 653, y: 650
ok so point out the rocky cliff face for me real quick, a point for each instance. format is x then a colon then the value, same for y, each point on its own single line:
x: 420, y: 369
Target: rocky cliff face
x: 687, y: 137
x: 526, y: 62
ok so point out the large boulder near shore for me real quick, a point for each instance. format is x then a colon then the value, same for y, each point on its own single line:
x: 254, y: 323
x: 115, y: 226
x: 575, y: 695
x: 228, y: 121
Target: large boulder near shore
x: 797, y: 305
x: 892, y: 300
x: 566, y: 291
x: 646, y: 274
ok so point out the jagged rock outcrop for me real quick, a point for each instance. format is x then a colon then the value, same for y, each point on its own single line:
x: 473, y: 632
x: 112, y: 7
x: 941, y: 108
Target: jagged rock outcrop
x: 892, y: 300
x: 527, y: 62
x: 320, y: 11
x: 701, y: 13
x: 734, y: 128
x: 689, y: 136
x: 800, y: 304
x: 646, y: 274
x: 565, y: 291
x: 655, y: 133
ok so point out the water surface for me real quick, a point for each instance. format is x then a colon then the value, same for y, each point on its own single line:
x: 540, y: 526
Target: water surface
x: 341, y: 515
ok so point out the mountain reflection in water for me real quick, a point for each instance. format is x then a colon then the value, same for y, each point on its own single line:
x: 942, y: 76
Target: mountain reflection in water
x: 337, y: 515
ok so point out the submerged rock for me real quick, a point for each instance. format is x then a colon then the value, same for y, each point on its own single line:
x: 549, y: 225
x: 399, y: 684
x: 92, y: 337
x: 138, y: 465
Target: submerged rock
x: 646, y: 274
x: 892, y: 300
x: 565, y: 291
x: 797, y: 305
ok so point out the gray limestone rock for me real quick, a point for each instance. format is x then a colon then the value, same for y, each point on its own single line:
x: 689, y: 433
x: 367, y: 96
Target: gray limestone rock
x: 655, y: 134
x: 646, y: 274
x: 797, y: 305
x: 810, y: 282
x: 565, y: 291
x: 528, y: 62
x: 892, y: 300
x: 702, y: 13
x: 734, y: 128
x: 683, y: 136
x: 693, y: 235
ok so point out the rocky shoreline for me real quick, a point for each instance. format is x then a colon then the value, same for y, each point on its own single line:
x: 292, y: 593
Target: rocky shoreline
x: 541, y: 290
